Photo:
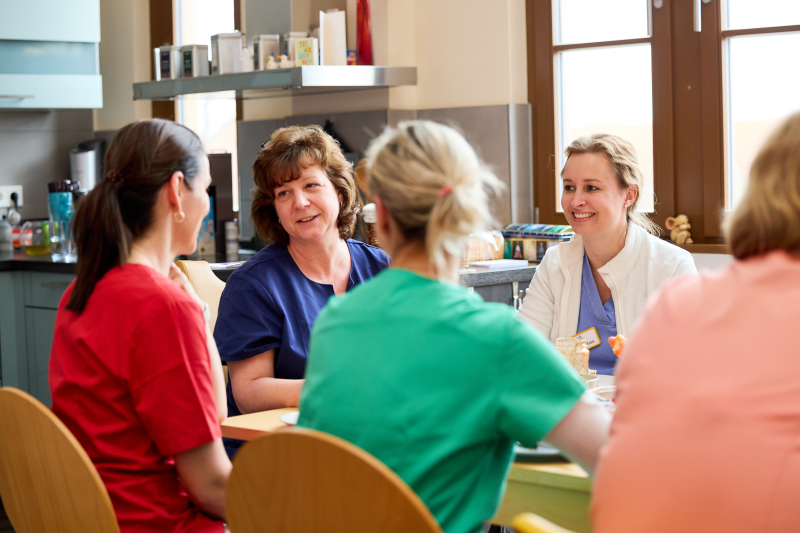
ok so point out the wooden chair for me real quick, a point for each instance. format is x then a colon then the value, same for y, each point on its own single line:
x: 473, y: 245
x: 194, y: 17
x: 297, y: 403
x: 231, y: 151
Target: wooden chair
x: 206, y: 284
x: 307, y: 481
x: 47, y: 482
x: 531, y: 523
x: 208, y: 287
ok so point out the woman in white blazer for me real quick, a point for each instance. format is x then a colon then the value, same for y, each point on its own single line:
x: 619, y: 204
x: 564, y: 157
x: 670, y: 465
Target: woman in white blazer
x: 596, y: 285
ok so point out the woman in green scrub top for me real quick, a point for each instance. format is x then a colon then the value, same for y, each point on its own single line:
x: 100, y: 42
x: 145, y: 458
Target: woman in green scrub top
x: 423, y: 374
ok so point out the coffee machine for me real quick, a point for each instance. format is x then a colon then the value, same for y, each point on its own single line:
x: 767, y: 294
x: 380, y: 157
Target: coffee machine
x: 86, y: 163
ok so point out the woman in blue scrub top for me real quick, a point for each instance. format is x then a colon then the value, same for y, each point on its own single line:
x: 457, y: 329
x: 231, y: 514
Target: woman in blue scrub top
x: 305, y: 203
x: 597, y: 284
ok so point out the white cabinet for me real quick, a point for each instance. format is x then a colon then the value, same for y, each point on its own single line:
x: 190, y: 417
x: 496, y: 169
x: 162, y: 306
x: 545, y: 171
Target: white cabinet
x: 50, y: 20
x: 49, y: 54
x: 37, y: 91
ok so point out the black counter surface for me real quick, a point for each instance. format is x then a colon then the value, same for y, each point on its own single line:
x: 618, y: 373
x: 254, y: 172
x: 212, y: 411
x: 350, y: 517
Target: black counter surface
x: 19, y: 260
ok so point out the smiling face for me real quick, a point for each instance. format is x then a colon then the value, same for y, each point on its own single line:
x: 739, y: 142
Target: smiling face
x: 592, y: 199
x: 308, y: 207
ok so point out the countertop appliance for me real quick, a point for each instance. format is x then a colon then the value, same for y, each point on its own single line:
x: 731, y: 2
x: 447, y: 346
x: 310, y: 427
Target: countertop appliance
x: 86, y: 163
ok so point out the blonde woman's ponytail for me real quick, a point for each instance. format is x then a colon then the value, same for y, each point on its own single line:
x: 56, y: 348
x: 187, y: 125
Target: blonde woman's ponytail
x: 434, y: 185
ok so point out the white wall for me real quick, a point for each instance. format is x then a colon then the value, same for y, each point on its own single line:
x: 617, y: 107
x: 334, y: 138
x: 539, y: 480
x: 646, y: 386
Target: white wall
x: 124, y: 59
x: 467, y: 53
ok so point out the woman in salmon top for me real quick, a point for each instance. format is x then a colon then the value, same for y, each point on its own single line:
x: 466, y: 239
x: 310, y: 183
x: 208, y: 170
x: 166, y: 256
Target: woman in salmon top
x: 134, y: 371
x: 708, y: 398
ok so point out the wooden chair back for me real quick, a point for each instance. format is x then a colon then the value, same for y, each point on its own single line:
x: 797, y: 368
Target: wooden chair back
x: 47, y: 482
x: 206, y: 284
x: 208, y: 287
x: 306, y: 481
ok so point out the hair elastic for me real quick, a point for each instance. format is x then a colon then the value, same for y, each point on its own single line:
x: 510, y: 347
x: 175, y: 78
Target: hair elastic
x: 444, y: 191
x: 115, y: 178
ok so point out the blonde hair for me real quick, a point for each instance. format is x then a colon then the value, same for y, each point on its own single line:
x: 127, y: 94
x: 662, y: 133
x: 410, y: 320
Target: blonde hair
x: 434, y: 186
x: 768, y: 216
x: 622, y: 156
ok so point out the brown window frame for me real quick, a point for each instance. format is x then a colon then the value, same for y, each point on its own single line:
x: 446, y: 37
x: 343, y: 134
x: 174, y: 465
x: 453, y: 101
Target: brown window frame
x: 688, y: 135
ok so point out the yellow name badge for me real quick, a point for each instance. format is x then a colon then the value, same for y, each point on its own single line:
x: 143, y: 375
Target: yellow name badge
x: 590, y: 336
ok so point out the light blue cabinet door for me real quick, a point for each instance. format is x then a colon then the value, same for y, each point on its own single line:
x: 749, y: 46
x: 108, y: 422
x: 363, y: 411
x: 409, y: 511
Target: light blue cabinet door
x: 50, y: 20
x: 13, y: 342
x: 40, y: 326
x: 42, y: 91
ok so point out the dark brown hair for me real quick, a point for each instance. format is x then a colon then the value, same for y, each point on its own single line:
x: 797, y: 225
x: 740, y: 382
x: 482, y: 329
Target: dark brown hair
x: 768, y: 215
x: 142, y: 157
x: 282, y: 159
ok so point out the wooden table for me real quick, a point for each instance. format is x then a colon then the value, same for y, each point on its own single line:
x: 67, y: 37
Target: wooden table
x: 559, y: 492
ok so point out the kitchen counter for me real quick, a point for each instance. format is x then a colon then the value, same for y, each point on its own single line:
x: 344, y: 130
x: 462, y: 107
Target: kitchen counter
x: 18, y: 260
x: 497, y: 277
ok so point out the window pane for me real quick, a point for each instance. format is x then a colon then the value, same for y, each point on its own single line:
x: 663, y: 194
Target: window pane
x: 761, y: 13
x: 211, y: 115
x: 608, y: 90
x: 763, y: 89
x: 588, y: 21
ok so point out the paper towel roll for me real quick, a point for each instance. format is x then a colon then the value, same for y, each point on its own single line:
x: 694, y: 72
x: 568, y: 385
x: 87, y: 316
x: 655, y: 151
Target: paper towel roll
x: 332, y: 38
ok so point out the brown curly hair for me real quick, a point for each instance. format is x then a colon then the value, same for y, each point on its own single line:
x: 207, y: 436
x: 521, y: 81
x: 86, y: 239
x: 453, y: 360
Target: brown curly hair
x: 282, y: 159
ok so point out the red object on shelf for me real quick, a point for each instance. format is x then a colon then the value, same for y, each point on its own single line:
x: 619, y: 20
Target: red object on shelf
x: 363, y: 33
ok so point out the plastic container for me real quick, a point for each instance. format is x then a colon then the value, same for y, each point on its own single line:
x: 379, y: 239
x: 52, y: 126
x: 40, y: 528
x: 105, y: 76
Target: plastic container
x: 61, y: 208
x: 34, y: 237
x: 575, y: 352
x: 5, y: 235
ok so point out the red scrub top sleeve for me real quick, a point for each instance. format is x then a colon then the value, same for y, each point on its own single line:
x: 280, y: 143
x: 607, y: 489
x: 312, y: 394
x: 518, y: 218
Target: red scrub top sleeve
x: 170, y: 378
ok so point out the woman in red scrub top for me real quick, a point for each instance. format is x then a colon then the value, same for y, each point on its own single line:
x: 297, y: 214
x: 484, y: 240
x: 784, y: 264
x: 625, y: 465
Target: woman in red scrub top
x: 134, y: 371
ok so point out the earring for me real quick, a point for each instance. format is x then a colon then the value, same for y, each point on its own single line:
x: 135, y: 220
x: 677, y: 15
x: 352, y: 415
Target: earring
x: 179, y: 216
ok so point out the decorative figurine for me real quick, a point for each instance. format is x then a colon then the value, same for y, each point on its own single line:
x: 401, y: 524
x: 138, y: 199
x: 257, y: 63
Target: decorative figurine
x: 679, y: 229
x: 285, y: 63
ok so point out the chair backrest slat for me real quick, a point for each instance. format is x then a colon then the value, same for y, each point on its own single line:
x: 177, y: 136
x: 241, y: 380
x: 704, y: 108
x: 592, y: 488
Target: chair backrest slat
x: 307, y: 481
x: 47, y: 482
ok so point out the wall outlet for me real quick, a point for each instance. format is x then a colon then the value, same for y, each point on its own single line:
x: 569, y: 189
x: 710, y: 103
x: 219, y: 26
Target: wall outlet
x: 5, y: 195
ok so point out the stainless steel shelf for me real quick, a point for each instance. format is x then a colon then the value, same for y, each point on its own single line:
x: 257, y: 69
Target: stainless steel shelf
x: 298, y: 80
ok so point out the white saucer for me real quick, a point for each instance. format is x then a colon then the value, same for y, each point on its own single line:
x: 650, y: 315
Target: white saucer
x: 290, y: 419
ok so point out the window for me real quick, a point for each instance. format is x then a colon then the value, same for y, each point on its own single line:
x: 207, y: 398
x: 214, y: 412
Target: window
x: 762, y: 82
x: 604, y: 79
x: 711, y: 96
x: 211, y: 115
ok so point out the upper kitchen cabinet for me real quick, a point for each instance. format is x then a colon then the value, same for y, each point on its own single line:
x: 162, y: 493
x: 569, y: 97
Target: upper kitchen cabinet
x: 75, y: 21
x: 49, y: 54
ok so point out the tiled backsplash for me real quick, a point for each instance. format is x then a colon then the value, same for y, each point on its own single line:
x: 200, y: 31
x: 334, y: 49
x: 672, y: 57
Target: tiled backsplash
x: 34, y: 150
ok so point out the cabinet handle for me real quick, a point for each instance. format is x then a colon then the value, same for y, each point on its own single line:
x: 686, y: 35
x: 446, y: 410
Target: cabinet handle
x: 55, y: 285
x: 18, y: 96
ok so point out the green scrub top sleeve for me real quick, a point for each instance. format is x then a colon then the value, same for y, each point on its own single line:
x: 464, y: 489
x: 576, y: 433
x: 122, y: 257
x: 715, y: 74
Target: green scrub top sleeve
x: 536, y: 386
